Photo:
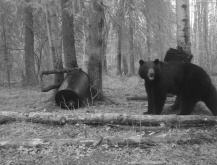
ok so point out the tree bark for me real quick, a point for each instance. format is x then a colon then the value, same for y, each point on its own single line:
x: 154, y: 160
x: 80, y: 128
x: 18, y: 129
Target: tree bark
x: 131, y: 30
x: 105, y: 66
x: 30, y: 78
x: 70, y: 60
x: 104, y: 47
x: 205, y: 36
x: 111, y: 118
x: 183, y: 25
x: 119, y: 28
x: 95, y: 47
x: 7, y: 63
x: 148, y: 29
x: 119, y: 53
x: 54, y: 41
x: 125, y: 64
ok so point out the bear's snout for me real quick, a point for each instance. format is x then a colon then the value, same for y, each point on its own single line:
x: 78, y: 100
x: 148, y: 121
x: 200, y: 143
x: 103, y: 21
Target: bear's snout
x: 151, y: 74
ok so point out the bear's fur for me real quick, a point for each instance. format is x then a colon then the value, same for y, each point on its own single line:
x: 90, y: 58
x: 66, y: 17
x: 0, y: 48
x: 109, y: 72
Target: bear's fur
x: 186, y: 80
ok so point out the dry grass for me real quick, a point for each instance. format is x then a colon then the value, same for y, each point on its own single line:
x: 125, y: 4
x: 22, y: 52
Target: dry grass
x: 117, y: 88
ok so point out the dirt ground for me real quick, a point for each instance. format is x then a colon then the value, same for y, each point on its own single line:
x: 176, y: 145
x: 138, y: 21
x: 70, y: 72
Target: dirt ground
x: 117, y: 89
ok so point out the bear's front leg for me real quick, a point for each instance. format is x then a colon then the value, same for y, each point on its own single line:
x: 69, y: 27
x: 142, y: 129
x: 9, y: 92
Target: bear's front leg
x: 159, y: 101
x: 149, y: 92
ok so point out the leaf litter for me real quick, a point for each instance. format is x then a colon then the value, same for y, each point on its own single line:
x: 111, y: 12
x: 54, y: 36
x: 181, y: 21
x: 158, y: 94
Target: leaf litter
x: 115, y: 88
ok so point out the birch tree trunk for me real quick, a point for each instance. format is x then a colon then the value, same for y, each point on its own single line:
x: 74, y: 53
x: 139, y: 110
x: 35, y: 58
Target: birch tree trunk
x: 30, y: 78
x: 68, y: 37
x: 148, y: 30
x: 54, y: 41
x: 94, y: 47
x: 200, y: 33
x: 131, y: 29
x: 195, y: 31
x: 206, y: 53
x: 183, y: 25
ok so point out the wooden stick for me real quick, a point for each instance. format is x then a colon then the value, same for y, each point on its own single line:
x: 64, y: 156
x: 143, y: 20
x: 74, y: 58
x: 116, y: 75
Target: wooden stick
x: 57, y: 71
x: 50, y: 87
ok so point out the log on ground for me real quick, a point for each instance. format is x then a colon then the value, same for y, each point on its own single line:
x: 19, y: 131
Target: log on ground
x: 110, y: 118
x: 134, y: 141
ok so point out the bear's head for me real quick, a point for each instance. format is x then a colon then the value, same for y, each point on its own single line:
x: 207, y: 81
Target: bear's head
x: 148, y: 70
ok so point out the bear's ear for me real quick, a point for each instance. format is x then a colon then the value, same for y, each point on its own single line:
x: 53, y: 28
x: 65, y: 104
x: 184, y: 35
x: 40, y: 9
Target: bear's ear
x: 141, y: 62
x: 156, y: 61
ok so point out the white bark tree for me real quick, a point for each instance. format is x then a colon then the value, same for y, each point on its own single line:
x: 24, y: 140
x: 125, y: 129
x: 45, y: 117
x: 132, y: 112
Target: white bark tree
x: 183, y: 25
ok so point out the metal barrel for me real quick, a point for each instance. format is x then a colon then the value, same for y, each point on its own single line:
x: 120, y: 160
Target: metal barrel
x: 73, y: 90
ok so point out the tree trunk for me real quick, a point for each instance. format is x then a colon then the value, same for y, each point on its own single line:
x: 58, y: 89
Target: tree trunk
x: 148, y: 42
x: 195, y: 34
x: 105, y: 67
x: 200, y: 33
x: 148, y: 30
x: 7, y: 63
x: 94, y: 47
x: 68, y: 37
x: 131, y: 30
x: 30, y: 78
x: 183, y: 25
x: 119, y: 53
x: 160, y: 31
x: 119, y: 27
x: 54, y: 41
x: 205, y: 36
x: 104, y: 47
x: 125, y: 64
x: 85, y: 46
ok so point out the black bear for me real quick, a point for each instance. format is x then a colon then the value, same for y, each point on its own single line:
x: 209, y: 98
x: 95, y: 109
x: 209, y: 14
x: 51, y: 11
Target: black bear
x: 186, y: 80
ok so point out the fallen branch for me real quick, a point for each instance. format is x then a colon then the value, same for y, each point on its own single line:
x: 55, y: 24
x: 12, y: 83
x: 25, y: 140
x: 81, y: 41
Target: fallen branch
x: 134, y: 141
x: 137, y: 98
x: 110, y: 118
x: 148, y: 162
x: 170, y: 98
x: 48, y: 88
x: 57, y: 71
x: 5, y: 119
x: 139, y: 128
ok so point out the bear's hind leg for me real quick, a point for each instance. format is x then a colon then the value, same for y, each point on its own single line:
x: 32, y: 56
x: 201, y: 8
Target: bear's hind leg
x: 210, y: 99
x: 187, y: 106
x: 176, y: 104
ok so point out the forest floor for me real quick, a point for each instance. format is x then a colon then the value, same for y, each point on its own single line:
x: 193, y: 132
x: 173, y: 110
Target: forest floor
x: 23, y: 99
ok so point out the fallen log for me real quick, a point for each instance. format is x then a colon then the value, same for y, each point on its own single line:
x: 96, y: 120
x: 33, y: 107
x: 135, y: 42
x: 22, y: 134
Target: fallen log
x: 71, y: 117
x: 5, y: 119
x: 48, y: 88
x: 134, y: 141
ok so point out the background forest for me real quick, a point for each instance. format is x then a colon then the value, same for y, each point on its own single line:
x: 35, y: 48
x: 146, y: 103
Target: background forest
x: 132, y: 30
